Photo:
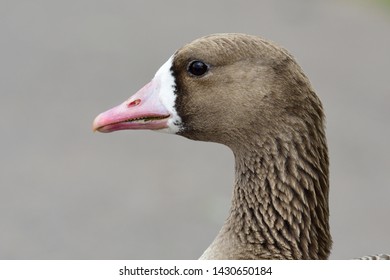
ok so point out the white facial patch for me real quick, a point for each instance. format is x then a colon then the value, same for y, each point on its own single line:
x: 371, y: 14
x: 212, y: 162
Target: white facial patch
x: 167, y: 95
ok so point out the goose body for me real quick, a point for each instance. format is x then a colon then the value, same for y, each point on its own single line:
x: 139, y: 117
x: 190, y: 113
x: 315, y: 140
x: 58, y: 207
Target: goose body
x: 250, y: 95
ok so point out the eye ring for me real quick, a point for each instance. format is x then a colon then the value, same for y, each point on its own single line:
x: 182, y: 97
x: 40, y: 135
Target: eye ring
x: 197, y: 68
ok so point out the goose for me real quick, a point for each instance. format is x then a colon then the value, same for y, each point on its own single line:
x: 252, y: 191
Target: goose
x: 249, y: 94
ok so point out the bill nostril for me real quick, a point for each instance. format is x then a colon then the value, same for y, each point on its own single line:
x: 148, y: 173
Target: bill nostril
x: 134, y: 103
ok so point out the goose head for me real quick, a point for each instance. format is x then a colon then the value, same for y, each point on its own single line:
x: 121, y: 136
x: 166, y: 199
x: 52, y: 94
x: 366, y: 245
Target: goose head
x: 220, y: 88
x: 249, y: 94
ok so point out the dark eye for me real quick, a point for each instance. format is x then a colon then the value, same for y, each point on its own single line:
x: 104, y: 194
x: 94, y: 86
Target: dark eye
x: 197, y: 68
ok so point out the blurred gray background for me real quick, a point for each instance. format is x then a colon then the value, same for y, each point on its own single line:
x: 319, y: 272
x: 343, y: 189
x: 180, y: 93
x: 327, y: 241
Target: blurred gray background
x: 67, y: 193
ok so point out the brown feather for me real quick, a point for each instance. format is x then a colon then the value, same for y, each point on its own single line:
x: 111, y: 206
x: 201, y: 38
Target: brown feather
x: 257, y: 100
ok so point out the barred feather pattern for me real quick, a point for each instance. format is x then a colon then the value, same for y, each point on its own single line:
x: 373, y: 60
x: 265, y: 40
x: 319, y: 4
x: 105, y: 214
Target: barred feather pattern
x: 280, y: 201
x: 375, y: 257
